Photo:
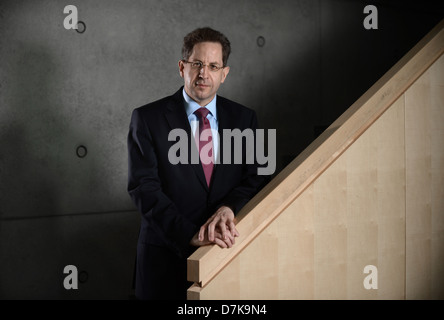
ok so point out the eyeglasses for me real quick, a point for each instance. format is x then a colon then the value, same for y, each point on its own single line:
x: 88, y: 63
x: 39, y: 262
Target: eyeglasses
x: 199, y: 65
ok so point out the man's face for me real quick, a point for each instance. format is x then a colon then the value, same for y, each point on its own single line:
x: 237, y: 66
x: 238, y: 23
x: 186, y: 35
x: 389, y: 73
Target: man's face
x: 201, y: 84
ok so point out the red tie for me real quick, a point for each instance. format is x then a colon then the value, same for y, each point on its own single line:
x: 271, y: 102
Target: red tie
x: 206, y: 157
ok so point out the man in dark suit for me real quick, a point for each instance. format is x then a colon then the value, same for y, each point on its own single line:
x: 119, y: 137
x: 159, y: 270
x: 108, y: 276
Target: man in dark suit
x: 187, y: 204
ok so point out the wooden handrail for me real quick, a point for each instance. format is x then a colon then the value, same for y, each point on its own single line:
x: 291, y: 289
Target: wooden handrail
x: 208, y: 261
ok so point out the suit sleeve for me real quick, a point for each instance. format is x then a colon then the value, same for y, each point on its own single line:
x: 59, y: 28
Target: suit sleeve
x: 144, y: 188
x: 251, y: 182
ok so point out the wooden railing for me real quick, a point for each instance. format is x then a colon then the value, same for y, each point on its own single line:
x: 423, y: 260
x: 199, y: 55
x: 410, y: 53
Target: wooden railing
x: 207, y: 262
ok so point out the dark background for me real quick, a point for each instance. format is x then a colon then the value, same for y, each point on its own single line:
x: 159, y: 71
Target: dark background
x: 61, y: 89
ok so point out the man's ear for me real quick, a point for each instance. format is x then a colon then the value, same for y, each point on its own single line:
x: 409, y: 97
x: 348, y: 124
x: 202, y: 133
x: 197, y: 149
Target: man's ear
x: 225, y: 73
x: 181, y: 66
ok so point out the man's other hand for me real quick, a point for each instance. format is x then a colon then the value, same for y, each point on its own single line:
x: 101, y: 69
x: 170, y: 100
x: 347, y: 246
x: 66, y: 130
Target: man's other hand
x: 219, y: 229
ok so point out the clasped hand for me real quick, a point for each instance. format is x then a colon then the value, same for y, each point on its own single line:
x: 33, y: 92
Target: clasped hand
x: 219, y: 229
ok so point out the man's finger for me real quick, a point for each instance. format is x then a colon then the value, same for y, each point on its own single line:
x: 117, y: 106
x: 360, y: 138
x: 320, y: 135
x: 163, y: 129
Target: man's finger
x: 218, y: 240
x: 223, y: 229
x: 227, y: 239
x: 233, y: 229
x: 211, y: 227
x: 221, y: 243
x: 201, y: 236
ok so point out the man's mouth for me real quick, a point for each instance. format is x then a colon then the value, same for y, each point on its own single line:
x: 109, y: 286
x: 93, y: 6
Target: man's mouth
x: 201, y: 85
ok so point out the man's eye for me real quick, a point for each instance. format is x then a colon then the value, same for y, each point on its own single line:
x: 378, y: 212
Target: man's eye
x: 197, y: 64
x: 214, y: 67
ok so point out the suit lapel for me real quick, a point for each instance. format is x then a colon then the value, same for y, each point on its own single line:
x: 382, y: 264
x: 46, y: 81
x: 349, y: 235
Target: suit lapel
x: 177, y: 119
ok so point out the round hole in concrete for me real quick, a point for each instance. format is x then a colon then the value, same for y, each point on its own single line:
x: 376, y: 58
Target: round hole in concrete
x: 81, y: 151
x: 81, y: 27
x: 260, y: 41
x: 83, y: 276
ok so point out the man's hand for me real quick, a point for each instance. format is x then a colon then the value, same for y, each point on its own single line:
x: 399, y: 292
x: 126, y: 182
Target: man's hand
x: 217, y: 240
x: 219, y: 229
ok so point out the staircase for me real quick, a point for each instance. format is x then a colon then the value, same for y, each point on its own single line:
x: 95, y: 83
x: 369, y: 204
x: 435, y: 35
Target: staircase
x: 359, y: 214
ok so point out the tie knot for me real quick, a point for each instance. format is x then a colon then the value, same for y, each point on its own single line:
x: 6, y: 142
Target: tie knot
x: 202, y: 112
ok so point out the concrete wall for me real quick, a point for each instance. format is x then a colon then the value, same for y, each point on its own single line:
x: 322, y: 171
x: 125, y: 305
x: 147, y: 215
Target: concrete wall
x: 61, y: 90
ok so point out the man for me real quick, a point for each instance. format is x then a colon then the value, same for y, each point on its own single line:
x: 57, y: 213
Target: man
x: 187, y: 205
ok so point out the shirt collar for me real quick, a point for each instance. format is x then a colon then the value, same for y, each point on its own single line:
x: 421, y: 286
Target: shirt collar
x: 191, y: 105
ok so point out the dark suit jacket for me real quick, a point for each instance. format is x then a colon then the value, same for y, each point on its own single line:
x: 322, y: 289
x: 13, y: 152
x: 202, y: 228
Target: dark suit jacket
x: 174, y: 200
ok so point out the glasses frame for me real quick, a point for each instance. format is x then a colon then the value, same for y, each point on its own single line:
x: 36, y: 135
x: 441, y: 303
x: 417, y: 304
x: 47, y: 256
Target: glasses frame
x: 200, y: 65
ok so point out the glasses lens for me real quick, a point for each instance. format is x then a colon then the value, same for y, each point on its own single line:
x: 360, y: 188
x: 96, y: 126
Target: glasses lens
x: 199, y: 65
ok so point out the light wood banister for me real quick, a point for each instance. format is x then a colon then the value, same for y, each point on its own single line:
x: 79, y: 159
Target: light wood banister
x: 208, y: 261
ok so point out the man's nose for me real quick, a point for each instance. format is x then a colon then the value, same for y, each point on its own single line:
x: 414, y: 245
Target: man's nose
x: 203, y: 72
